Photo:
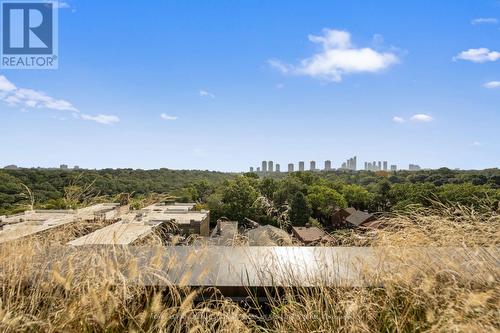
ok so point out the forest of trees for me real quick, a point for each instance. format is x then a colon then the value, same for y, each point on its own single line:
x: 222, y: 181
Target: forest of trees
x: 278, y: 199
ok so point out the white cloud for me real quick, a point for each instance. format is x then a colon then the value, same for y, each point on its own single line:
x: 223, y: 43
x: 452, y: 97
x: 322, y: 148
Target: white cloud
x: 492, y: 84
x: 421, y: 117
x: 476, y: 144
x: 484, y: 20
x: 337, y: 58
x: 29, y: 98
x: 165, y: 116
x: 60, y: 4
x: 25, y: 99
x: 6, y: 85
x: 397, y: 119
x: 101, y: 118
x: 478, y: 55
x: 204, y: 93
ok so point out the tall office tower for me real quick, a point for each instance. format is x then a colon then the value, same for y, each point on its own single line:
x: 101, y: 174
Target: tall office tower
x: 394, y: 167
x: 385, y: 165
x: 366, y: 165
x: 348, y: 164
x: 251, y: 169
x: 354, y: 165
x: 264, y: 166
x: 277, y: 167
x: 414, y: 167
x: 328, y: 165
x: 258, y: 169
x: 312, y: 165
x: 379, y: 166
x: 374, y: 165
x: 344, y: 165
x: 301, y: 166
x: 290, y: 167
x: 270, y: 167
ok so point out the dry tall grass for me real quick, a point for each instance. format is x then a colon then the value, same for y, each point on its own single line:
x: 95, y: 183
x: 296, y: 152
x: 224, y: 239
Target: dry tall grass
x: 42, y: 295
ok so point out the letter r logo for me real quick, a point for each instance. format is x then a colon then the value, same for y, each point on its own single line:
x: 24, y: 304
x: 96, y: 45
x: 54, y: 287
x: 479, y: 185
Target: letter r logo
x: 27, y: 28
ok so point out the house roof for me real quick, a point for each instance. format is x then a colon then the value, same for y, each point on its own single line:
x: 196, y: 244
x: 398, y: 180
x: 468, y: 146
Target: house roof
x: 308, y: 234
x: 359, y: 217
x: 350, y: 210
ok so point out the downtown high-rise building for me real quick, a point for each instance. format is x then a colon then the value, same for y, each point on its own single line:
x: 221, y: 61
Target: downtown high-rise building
x: 277, y: 167
x: 301, y: 166
x: 290, y: 167
x: 251, y: 169
x: 270, y: 167
x: 328, y: 165
x: 350, y: 164
x: 385, y: 165
x: 264, y: 166
x: 312, y: 165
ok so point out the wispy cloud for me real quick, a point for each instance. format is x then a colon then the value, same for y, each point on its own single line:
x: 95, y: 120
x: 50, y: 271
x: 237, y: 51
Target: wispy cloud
x: 165, y: 116
x: 29, y: 98
x: 397, y: 119
x: 492, y: 85
x: 60, y: 4
x: 421, y: 118
x: 479, y: 55
x: 204, y: 93
x: 476, y: 144
x: 484, y: 20
x: 25, y: 99
x: 338, y: 57
x: 101, y: 118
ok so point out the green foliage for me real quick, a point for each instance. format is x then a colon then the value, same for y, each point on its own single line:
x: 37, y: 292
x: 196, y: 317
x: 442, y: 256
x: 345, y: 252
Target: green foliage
x: 357, y: 196
x: 297, y: 196
x: 237, y: 199
x: 300, y: 210
x: 324, y: 199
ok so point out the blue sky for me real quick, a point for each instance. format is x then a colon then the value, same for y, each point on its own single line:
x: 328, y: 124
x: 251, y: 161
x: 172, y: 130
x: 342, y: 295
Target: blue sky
x: 222, y: 85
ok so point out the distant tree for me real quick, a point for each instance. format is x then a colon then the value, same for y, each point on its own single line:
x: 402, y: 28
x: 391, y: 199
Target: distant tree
x: 287, y: 189
x: 267, y: 187
x: 300, y: 210
x: 238, y: 197
x: 357, y: 196
x: 324, y: 199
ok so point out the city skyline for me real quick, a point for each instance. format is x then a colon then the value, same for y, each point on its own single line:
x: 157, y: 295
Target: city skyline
x: 208, y: 90
x: 266, y: 166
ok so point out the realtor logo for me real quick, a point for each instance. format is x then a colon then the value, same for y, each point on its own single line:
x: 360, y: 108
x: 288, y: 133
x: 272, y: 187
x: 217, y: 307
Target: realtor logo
x: 29, y: 35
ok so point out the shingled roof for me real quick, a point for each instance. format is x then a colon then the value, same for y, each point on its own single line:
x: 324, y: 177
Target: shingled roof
x: 358, y: 217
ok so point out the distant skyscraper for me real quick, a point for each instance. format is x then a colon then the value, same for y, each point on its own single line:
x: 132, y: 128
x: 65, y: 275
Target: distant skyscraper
x: 290, y: 167
x: 366, y: 166
x: 354, y: 165
x: 277, y: 167
x: 270, y: 167
x: 301, y: 166
x: 344, y: 165
x: 414, y: 167
x: 379, y: 165
x: 385, y: 165
x: 76, y: 167
x: 251, y: 169
x: 312, y: 165
x: 258, y: 169
x: 264, y: 166
x: 63, y: 166
x: 394, y: 167
x: 328, y: 165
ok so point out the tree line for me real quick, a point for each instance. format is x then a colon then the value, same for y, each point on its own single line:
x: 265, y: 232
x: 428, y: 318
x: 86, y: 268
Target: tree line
x: 279, y: 199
